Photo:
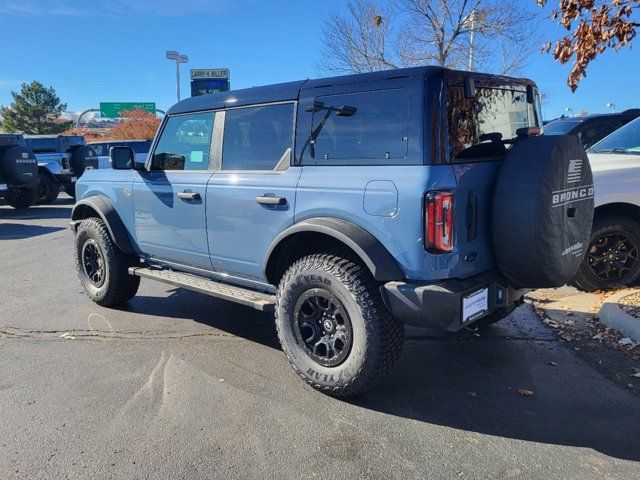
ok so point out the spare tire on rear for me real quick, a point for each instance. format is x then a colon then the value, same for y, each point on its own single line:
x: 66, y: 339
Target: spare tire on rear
x: 18, y: 165
x: 83, y: 156
x: 542, y: 211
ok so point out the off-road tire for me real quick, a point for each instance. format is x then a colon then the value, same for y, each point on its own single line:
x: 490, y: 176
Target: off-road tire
x: 586, y: 279
x: 118, y: 286
x: 377, y: 336
x: 71, y: 190
x: 21, y: 198
x: 47, y: 189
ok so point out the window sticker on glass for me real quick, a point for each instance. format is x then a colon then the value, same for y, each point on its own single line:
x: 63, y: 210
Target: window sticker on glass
x: 197, y: 156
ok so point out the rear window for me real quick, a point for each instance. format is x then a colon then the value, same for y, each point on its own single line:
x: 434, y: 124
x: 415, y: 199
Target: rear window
x: 42, y: 145
x: 484, y: 127
x: 361, y: 128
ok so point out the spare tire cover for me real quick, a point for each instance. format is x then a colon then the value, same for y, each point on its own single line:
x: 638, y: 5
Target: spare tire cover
x: 81, y: 157
x: 18, y: 165
x: 542, y: 211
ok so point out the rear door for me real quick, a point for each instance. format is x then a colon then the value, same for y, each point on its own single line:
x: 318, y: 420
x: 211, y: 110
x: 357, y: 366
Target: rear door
x: 251, y: 196
x: 169, y: 200
x: 481, y: 131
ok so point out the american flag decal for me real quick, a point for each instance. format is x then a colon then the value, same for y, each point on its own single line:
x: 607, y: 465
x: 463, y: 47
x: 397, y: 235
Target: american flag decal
x: 575, y: 171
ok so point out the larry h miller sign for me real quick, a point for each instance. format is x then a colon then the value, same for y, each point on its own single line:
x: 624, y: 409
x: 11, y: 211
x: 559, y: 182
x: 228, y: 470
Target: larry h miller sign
x: 210, y: 80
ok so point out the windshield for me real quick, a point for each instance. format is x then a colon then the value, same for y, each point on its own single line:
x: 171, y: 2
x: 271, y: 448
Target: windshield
x: 623, y: 140
x: 559, y: 127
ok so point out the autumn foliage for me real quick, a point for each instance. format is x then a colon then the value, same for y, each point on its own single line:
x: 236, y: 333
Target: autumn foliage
x: 595, y: 26
x: 137, y: 124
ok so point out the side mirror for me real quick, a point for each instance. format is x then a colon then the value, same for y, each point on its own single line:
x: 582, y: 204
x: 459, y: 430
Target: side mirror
x: 122, y: 158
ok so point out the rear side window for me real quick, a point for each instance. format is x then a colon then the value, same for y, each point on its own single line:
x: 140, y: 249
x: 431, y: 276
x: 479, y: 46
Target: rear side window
x: 360, y: 128
x: 483, y: 127
x: 258, y: 138
x: 185, y: 143
x: 591, y: 132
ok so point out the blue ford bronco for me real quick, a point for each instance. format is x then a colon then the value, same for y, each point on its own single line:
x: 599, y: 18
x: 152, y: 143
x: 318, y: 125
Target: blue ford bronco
x: 349, y: 206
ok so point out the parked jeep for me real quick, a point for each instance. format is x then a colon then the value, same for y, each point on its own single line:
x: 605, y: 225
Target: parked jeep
x: 61, y: 160
x: 349, y: 206
x: 18, y: 171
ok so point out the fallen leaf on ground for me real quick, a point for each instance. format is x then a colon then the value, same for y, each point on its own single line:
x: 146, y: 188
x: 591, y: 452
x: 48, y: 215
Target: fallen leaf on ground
x: 525, y: 392
x: 553, y: 364
x: 471, y: 393
x: 67, y: 336
x: 625, y: 341
x: 637, y: 375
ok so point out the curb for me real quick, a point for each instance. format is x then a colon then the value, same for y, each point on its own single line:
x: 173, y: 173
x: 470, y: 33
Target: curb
x: 614, y: 317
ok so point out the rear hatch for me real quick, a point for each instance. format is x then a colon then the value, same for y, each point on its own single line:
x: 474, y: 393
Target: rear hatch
x: 482, y: 126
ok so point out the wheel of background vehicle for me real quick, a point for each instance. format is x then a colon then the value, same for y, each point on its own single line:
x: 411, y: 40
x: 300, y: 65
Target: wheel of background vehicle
x: 334, y: 327
x: 80, y: 155
x: 71, y: 190
x: 47, y: 189
x: 21, y: 198
x: 102, y: 267
x: 542, y: 211
x: 613, y: 256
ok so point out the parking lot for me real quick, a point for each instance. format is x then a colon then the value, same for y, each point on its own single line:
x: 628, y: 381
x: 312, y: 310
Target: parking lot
x: 180, y: 385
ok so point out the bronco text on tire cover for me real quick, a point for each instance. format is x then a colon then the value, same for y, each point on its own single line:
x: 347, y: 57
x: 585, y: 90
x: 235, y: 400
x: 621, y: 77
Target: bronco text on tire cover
x: 543, y: 211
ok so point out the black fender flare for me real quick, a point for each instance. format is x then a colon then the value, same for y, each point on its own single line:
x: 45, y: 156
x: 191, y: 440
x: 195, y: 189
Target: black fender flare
x: 374, y: 255
x: 109, y: 215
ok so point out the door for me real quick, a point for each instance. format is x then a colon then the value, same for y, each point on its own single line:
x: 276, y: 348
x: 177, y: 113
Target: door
x: 251, y: 196
x: 169, y: 199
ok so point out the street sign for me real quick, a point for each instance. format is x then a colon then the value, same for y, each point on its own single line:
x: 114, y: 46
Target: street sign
x: 209, y: 80
x: 114, y: 109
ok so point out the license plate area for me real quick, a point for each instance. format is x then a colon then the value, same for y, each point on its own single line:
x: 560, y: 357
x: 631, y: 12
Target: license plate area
x: 475, y: 305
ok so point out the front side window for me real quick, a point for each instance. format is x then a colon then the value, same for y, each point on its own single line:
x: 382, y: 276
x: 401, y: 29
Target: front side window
x: 356, y: 128
x: 484, y: 126
x: 258, y: 138
x: 185, y: 143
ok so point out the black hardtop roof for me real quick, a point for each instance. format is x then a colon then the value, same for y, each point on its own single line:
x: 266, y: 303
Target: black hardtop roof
x: 283, y: 92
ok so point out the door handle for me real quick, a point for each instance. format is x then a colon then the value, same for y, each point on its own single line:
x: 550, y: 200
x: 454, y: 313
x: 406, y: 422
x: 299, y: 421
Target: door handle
x: 264, y: 200
x: 187, y: 195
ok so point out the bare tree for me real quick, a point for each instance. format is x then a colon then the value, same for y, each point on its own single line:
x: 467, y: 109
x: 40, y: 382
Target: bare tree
x: 492, y: 35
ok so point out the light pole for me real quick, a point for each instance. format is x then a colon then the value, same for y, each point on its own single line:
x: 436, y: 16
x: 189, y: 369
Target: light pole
x: 612, y: 107
x: 173, y: 55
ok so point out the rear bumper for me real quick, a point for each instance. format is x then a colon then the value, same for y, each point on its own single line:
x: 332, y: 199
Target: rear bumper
x: 439, y: 305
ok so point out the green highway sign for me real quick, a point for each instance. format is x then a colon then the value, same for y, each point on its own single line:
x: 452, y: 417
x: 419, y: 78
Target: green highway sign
x: 114, y: 109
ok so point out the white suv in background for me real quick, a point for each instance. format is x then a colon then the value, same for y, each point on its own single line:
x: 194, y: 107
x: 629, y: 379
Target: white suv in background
x: 140, y: 148
x: 613, y: 256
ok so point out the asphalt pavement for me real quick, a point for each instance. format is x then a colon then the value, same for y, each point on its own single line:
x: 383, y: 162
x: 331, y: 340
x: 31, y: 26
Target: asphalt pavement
x: 179, y: 385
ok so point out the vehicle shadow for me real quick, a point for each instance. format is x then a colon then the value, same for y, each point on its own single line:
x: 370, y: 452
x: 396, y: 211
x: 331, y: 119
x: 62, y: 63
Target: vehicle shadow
x: 226, y: 316
x: 37, y: 212
x: 481, y: 384
x: 18, y: 231
x: 468, y: 382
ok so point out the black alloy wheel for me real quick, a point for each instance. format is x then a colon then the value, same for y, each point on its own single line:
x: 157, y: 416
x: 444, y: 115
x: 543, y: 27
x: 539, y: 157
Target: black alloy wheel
x: 93, y: 263
x: 323, y: 327
x: 613, y: 256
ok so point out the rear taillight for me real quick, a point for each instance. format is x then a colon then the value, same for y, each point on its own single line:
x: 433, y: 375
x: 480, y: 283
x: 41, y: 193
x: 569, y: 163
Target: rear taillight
x: 438, y: 222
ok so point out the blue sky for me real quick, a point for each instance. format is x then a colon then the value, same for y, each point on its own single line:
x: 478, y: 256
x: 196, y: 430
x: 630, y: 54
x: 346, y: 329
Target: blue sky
x: 100, y: 50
